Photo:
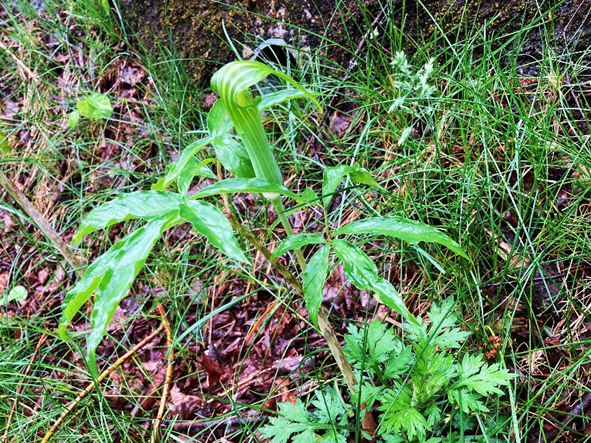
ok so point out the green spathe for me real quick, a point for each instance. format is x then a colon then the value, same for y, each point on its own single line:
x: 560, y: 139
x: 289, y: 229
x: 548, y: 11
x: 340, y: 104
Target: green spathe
x: 232, y: 83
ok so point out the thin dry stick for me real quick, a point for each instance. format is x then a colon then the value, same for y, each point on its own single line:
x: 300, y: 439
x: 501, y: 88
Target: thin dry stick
x: 323, y: 323
x: 168, y: 379
x: 20, y: 64
x: 101, y: 377
x: 380, y: 19
x: 45, y: 227
x: 20, y: 386
x: 258, y: 323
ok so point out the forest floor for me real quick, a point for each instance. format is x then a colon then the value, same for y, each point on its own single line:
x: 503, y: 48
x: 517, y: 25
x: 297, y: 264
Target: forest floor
x: 501, y: 162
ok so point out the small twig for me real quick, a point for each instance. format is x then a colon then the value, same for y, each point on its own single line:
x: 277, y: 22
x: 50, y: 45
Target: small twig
x: 257, y: 324
x: 231, y: 424
x: 323, y: 324
x: 45, y: 227
x: 535, y: 279
x: 20, y: 386
x: 168, y: 379
x: 571, y: 19
x: 353, y: 62
x: 101, y: 377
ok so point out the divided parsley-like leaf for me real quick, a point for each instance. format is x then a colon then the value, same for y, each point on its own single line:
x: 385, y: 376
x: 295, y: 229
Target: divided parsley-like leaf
x: 476, y: 375
x: 421, y: 389
x: 293, y: 419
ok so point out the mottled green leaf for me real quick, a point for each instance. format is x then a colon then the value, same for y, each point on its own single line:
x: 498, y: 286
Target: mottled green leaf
x: 4, y: 146
x: 333, y: 176
x: 178, y: 167
x: 18, y: 293
x: 140, y: 204
x: 313, y: 282
x: 363, y: 273
x: 210, y: 222
x: 398, y: 227
x: 73, y: 119
x: 111, y: 276
x: 296, y: 241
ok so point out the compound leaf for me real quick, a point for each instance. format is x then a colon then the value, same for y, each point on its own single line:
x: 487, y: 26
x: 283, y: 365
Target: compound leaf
x: 476, y: 375
x: 363, y: 273
x: 179, y: 166
x: 233, y: 156
x: 111, y: 275
x: 193, y: 168
x: 296, y: 241
x: 333, y: 176
x: 293, y: 419
x: 258, y: 185
x: 275, y: 98
x: 218, y: 122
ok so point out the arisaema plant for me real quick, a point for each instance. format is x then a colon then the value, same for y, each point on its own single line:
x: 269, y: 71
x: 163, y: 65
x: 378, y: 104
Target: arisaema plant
x: 238, y: 138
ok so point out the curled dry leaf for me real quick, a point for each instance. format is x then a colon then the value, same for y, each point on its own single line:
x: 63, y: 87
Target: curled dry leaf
x: 213, y: 369
x: 184, y: 405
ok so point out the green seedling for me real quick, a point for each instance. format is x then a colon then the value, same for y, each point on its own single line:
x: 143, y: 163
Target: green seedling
x: 93, y: 107
x: 237, y: 136
x: 419, y: 391
x: 18, y: 293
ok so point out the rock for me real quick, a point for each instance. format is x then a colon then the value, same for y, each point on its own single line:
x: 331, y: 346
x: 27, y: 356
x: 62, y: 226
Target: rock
x: 200, y: 29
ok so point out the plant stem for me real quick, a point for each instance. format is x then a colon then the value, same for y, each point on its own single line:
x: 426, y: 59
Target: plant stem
x: 276, y: 202
x: 44, y: 226
x: 324, y: 326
